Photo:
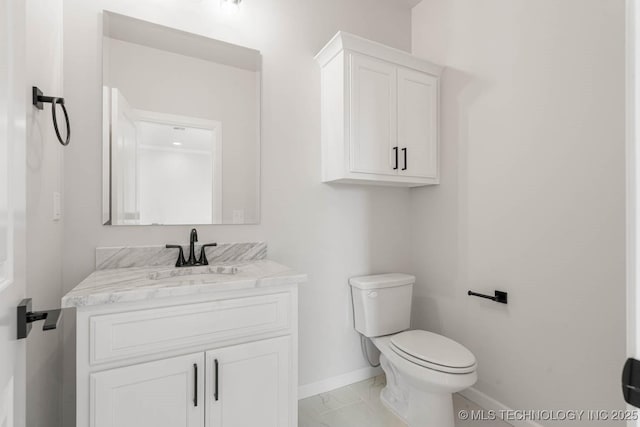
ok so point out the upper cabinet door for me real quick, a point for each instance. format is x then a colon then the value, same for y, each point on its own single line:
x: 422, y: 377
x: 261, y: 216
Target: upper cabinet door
x: 373, y: 116
x: 166, y: 393
x: 417, y: 124
x: 249, y: 385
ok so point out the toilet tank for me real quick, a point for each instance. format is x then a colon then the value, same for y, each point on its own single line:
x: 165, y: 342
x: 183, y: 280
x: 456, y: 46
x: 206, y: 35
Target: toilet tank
x: 382, y: 303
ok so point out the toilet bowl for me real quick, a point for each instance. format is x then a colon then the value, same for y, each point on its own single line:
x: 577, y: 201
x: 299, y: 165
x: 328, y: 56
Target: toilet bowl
x: 420, y: 394
x: 423, y: 369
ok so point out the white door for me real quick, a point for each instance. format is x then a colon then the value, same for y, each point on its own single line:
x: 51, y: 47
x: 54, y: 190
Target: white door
x: 373, y: 116
x: 417, y: 123
x: 250, y: 386
x: 124, y: 161
x: 166, y: 393
x: 13, y: 94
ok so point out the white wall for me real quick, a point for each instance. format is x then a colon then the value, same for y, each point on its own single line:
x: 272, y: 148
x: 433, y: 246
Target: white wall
x: 329, y: 232
x: 532, y: 196
x: 165, y: 82
x: 44, y: 236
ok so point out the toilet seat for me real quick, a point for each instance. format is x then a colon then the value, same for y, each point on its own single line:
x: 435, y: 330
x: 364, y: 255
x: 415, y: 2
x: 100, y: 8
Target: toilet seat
x: 433, y: 351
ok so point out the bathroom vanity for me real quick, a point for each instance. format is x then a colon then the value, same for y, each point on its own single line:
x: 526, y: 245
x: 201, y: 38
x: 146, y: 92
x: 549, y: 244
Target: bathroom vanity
x: 194, y: 346
x: 162, y: 342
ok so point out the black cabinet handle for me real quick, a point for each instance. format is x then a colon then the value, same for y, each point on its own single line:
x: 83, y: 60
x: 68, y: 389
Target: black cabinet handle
x: 395, y: 150
x: 195, y: 384
x: 215, y: 384
x: 404, y: 151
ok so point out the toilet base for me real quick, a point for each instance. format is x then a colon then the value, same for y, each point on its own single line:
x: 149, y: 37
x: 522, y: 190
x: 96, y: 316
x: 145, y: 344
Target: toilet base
x: 434, y: 411
x: 417, y: 408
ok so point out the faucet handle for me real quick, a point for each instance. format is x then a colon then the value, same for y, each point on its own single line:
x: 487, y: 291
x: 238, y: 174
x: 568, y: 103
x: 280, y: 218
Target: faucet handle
x: 180, y: 262
x: 203, y: 254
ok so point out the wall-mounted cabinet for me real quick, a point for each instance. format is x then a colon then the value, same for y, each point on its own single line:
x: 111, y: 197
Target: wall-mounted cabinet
x: 379, y: 114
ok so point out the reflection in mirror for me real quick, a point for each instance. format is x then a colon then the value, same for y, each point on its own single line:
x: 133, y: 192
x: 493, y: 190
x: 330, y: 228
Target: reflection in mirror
x: 181, y: 127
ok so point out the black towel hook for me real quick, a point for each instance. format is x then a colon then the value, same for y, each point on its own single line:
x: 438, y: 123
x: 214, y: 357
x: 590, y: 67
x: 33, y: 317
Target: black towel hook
x: 38, y: 101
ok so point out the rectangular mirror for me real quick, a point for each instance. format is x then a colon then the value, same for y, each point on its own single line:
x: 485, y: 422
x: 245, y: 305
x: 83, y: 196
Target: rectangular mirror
x: 181, y: 127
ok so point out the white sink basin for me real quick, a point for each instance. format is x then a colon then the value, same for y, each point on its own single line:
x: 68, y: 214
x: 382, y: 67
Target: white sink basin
x: 200, y: 273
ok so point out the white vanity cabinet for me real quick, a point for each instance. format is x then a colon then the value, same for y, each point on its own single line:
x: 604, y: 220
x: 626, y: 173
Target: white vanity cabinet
x: 380, y: 110
x: 242, y: 385
x: 219, y: 359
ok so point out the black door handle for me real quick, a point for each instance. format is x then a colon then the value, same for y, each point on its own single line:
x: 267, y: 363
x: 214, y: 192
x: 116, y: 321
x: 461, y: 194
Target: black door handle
x: 395, y: 150
x: 215, y: 384
x: 404, y: 151
x: 195, y: 384
x: 631, y: 382
x: 26, y: 316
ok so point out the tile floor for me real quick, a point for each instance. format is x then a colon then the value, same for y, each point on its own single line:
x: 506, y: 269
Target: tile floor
x: 358, y: 405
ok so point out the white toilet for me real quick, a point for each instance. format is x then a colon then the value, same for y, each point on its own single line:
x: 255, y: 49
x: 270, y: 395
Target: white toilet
x: 423, y: 369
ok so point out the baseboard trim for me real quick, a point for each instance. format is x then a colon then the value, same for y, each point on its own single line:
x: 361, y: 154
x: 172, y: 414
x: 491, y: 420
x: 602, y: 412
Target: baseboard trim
x: 489, y: 403
x: 308, y: 390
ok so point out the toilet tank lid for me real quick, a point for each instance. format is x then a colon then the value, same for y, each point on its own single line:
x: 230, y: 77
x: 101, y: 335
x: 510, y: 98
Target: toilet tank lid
x: 379, y: 281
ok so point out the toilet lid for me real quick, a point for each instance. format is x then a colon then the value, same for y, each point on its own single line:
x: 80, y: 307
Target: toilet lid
x: 380, y: 281
x: 433, y: 351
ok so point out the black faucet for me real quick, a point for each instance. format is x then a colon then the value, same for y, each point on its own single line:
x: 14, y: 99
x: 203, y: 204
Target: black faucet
x: 202, y: 260
x: 192, y: 240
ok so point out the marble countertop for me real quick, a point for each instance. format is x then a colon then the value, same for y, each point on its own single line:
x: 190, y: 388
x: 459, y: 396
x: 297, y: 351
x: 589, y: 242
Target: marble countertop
x: 146, y: 283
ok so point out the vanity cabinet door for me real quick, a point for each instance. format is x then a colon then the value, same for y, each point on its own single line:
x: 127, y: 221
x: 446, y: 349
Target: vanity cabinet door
x: 373, y: 116
x: 417, y: 124
x: 250, y: 385
x: 166, y: 393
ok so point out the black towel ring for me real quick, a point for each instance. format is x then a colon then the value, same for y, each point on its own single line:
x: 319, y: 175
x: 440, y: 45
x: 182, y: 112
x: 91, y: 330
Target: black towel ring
x: 38, y: 101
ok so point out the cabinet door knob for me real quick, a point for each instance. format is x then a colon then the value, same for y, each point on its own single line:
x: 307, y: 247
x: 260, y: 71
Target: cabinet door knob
x: 395, y: 150
x: 404, y: 152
